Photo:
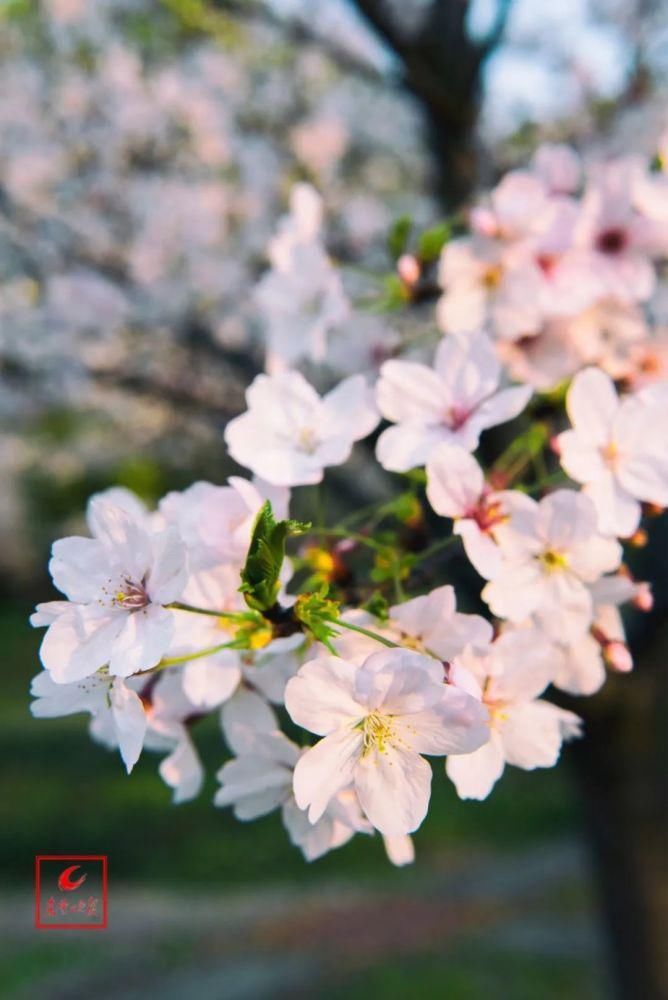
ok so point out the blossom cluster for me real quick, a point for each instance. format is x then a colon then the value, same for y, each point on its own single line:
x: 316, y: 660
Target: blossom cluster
x: 335, y: 654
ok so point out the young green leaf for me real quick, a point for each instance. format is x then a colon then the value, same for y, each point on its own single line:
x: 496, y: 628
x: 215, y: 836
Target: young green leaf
x: 260, y: 576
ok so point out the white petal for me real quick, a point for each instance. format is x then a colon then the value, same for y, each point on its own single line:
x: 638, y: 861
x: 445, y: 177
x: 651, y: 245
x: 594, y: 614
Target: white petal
x: 78, y: 643
x: 326, y: 768
x: 129, y: 722
x: 533, y: 734
x: 182, y: 770
x: 394, y: 789
x: 454, y: 481
x: 400, y: 850
x: 408, y: 392
x: 143, y: 641
x: 474, y: 775
x: 408, y: 446
x: 243, y: 716
x: 592, y: 404
x: 321, y: 696
x: 168, y: 574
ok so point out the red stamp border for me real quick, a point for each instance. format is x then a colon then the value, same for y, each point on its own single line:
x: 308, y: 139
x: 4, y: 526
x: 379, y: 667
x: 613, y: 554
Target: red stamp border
x: 71, y: 857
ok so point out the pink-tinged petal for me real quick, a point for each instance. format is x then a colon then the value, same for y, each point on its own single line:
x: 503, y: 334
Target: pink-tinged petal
x: 321, y: 696
x: 78, y: 643
x: 592, y: 404
x: 182, y: 770
x: 533, y: 733
x: 516, y: 592
x: 593, y: 558
x: 46, y: 614
x: 461, y: 310
x: 502, y: 407
x: 169, y: 570
x: 394, y: 789
x: 645, y: 476
x: 126, y: 539
x: 618, y: 513
x: 211, y: 680
x: 567, y: 609
x: 454, y: 481
x: 565, y: 518
x: 243, y: 717
x: 253, y: 785
x: 408, y: 392
x: 350, y: 408
x: 129, y: 722
x: 581, y: 669
x: 458, y: 724
x: 482, y: 551
x: 142, y: 642
x: 325, y: 769
x: 400, y: 850
x: 407, y: 446
x: 474, y: 775
x: 79, y: 568
x: 397, y: 681
x: 469, y: 368
x: 525, y: 662
x: 581, y: 460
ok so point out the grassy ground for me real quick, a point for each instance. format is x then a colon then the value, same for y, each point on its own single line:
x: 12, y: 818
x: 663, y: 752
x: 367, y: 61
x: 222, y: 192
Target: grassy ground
x: 485, y: 924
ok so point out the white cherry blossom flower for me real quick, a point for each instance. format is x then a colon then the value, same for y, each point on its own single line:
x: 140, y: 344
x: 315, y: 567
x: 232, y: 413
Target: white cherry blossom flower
x: 259, y: 780
x: 524, y: 730
x: 110, y: 700
x: 454, y: 401
x: 456, y: 488
x: 551, y: 552
x: 377, y: 719
x: 117, y: 584
x: 289, y: 434
x: 617, y: 448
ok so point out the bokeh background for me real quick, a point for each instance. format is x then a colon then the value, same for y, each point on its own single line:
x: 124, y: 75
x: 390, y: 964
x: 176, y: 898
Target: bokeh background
x: 147, y: 148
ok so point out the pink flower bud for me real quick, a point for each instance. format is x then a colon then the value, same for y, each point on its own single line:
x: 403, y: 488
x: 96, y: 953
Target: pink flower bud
x: 555, y: 446
x: 644, y: 599
x: 618, y: 657
x: 483, y: 221
x: 408, y: 269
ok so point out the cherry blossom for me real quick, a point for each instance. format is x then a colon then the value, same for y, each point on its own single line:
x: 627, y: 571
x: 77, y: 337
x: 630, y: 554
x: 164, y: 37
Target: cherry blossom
x: 110, y: 700
x: 454, y: 401
x: 616, y: 448
x: 525, y: 730
x: 117, y: 584
x: 456, y: 488
x: 377, y: 719
x: 289, y: 434
x: 551, y: 552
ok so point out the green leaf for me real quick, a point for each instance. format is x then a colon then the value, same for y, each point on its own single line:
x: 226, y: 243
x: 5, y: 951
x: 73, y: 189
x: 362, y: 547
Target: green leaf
x: 260, y: 576
x: 316, y: 612
x: 377, y: 606
x: 398, y: 236
x: 433, y: 240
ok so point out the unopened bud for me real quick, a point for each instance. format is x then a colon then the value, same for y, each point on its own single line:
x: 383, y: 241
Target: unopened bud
x: 618, y: 657
x: 555, y: 444
x: 639, y: 539
x: 408, y: 269
x: 653, y: 509
x: 644, y: 598
x: 483, y: 221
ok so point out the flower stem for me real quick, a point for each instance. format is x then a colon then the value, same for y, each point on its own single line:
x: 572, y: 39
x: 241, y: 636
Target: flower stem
x: 174, y: 661
x: 232, y: 615
x: 364, y: 631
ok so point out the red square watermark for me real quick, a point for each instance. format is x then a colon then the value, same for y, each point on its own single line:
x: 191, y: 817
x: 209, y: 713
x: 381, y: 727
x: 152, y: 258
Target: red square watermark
x: 71, y: 892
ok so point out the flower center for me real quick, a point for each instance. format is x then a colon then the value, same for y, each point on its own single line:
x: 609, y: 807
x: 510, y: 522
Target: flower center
x: 610, y: 454
x: 456, y: 417
x: 133, y: 597
x: 612, y: 241
x: 377, y: 732
x: 307, y: 441
x: 491, y: 278
x: 553, y: 560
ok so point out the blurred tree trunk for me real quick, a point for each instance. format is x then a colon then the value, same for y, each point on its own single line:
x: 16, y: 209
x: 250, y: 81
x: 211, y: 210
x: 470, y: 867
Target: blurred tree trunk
x: 621, y: 768
x: 442, y: 68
